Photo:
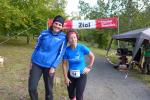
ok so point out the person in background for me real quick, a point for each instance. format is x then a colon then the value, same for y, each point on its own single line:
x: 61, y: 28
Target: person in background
x: 146, y: 64
x: 76, y: 73
x: 46, y: 56
x: 123, y: 60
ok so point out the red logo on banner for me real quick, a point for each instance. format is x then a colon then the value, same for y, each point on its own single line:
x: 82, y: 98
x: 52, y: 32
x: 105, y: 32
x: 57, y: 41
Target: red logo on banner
x: 107, y: 23
x: 68, y: 24
x: 50, y: 21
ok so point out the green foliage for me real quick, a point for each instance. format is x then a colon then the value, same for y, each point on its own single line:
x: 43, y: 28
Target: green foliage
x: 132, y: 15
x: 32, y: 15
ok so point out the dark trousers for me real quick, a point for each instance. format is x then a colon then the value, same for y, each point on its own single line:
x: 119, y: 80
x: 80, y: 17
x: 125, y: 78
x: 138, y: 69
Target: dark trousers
x: 77, y: 86
x: 146, y: 65
x: 34, y: 77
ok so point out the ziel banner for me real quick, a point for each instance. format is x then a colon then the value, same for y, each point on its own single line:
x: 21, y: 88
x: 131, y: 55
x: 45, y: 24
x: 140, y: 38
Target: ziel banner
x: 90, y: 24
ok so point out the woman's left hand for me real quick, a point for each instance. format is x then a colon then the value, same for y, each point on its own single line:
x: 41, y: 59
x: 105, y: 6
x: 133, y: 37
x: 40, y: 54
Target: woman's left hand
x: 67, y: 81
x: 52, y: 70
x: 30, y: 66
x: 86, y: 70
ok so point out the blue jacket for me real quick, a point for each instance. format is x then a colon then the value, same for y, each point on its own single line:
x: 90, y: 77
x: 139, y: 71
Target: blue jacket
x: 50, y: 49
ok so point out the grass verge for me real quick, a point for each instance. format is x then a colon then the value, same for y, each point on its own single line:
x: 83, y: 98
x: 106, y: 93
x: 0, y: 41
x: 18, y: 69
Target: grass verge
x: 14, y: 73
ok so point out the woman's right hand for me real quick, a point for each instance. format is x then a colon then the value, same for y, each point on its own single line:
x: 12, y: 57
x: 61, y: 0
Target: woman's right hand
x: 30, y: 66
x: 67, y: 81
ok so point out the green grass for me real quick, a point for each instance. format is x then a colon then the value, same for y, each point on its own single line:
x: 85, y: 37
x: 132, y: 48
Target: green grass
x: 142, y: 77
x: 94, y: 48
x: 14, y: 73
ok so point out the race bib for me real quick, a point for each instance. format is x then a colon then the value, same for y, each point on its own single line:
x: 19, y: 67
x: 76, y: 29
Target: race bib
x: 75, y: 73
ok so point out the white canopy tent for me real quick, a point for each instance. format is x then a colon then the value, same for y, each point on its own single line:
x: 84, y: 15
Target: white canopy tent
x: 138, y: 36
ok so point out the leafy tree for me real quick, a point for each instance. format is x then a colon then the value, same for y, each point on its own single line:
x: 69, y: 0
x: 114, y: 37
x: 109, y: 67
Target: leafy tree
x: 131, y: 14
x: 29, y: 16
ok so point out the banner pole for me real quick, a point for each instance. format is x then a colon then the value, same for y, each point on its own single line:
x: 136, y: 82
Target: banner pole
x: 47, y: 23
x: 118, y: 33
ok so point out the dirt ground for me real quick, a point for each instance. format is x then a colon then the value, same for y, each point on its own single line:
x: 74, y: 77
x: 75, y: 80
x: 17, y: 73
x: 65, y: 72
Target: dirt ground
x: 106, y: 83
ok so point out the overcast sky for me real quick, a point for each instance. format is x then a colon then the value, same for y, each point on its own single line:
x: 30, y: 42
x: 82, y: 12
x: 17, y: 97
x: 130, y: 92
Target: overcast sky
x: 72, y: 5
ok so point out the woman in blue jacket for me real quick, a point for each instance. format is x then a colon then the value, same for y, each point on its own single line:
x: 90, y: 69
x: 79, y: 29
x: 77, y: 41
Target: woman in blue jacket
x: 46, y: 56
x: 76, y: 76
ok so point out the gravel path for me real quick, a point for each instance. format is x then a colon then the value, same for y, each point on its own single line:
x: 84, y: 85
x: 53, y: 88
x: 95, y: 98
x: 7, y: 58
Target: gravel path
x: 106, y: 83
